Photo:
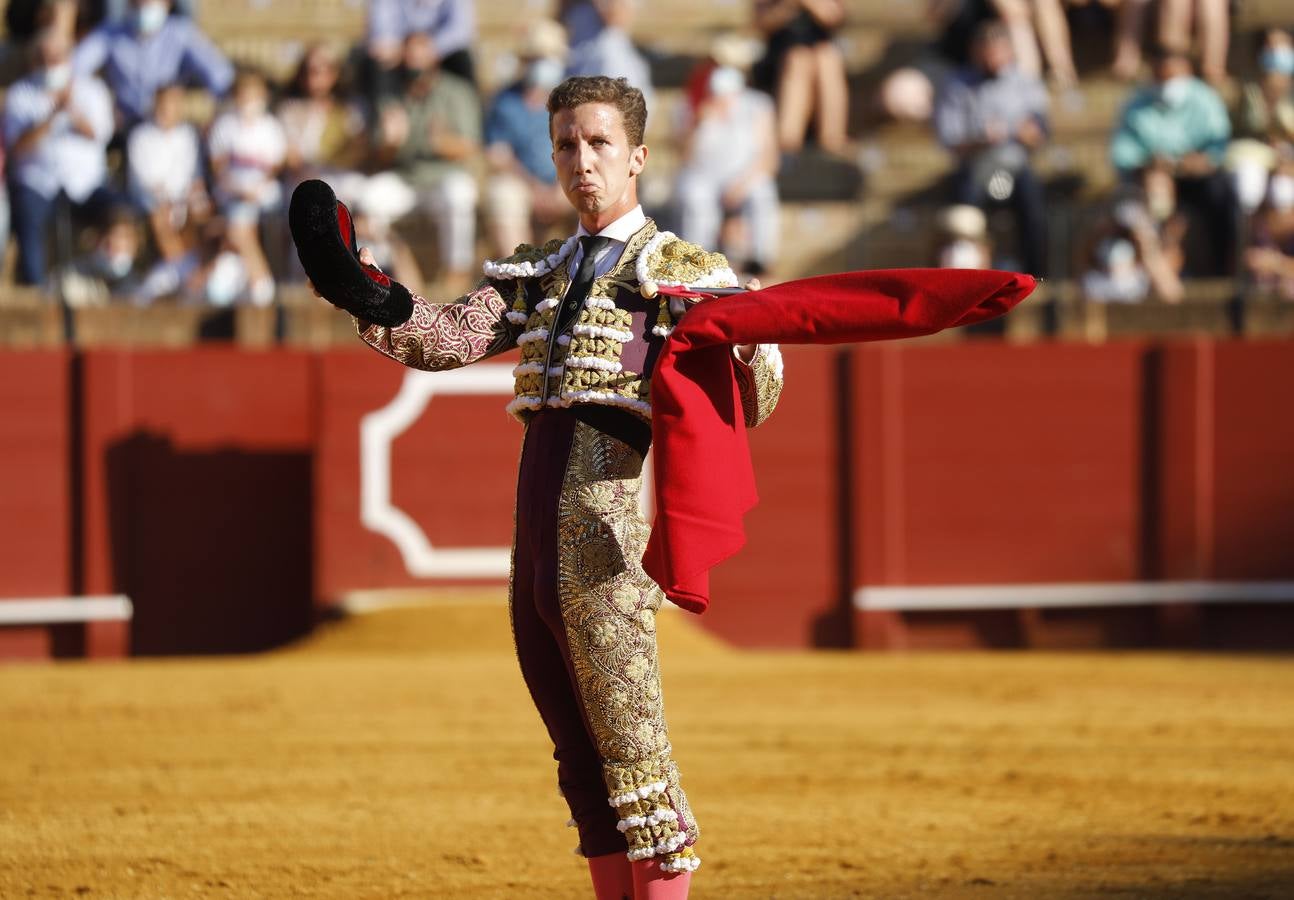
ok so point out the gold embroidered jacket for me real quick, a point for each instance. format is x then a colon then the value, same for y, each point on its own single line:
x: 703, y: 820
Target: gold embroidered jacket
x: 605, y: 356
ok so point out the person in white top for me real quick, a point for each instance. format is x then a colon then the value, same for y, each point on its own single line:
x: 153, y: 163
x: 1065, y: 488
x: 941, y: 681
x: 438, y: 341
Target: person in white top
x: 56, y: 126
x: 248, y: 149
x: 729, y: 170
x: 165, y: 180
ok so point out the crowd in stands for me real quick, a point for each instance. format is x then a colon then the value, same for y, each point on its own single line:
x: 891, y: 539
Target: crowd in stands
x: 142, y: 166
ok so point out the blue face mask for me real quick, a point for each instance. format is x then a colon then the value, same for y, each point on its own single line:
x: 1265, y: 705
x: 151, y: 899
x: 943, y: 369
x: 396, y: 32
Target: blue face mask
x: 1277, y: 59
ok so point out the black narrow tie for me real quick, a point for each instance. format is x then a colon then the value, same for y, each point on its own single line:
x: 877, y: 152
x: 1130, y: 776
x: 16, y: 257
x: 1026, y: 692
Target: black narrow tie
x: 579, y: 290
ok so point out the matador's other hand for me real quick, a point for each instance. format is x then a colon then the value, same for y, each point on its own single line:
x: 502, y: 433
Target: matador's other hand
x: 325, y: 237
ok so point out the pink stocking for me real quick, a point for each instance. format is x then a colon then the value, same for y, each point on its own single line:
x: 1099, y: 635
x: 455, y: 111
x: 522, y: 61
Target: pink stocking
x: 650, y: 883
x: 612, y: 878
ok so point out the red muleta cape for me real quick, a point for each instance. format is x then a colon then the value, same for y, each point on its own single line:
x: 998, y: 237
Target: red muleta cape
x: 704, y: 483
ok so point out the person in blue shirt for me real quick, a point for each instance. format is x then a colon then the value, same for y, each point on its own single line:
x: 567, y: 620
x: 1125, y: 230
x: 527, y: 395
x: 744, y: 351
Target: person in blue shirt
x: 1174, y: 132
x: 449, y: 24
x: 993, y: 117
x: 522, y: 188
x: 151, y: 48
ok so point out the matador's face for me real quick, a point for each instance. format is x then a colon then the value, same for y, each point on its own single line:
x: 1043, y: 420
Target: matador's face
x: 596, y: 165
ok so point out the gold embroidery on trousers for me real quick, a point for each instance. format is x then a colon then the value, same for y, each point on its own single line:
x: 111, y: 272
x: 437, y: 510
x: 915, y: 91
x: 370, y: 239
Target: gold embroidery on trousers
x: 609, y: 609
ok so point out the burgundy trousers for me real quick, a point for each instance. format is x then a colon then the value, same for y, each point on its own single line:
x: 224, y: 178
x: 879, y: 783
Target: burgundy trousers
x: 583, y: 618
x: 540, y: 632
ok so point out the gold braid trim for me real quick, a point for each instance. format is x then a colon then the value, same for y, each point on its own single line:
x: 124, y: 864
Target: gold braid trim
x: 760, y: 385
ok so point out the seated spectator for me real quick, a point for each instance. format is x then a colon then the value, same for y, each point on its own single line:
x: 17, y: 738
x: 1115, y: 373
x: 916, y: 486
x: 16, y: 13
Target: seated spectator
x: 1179, y: 125
x: 1267, y: 105
x: 325, y: 131
x: 247, y: 149
x: 609, y: 50
x: 963, y: 239
x: 150, y: 49
x: 57, y: 126
x: 449, y: 24
x: 108, y: 272
x: 164, y: 172
x: 430, y: 136
x: 729, y: 169
x: 522, y: 188
x: 1126, y: 261
x: 1269, y: 261
x: 1265, y: 120
x: 992, y: 117
x: 807, y: 69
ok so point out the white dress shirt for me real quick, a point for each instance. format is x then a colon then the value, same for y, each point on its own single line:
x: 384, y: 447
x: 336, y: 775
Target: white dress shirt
x: 620, y: 231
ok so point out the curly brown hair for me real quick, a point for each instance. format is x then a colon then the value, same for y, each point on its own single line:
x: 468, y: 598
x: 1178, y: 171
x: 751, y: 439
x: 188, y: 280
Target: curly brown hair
x: 581, y: 89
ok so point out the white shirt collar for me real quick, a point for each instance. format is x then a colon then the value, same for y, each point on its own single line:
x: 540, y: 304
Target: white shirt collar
x: 622, y: 228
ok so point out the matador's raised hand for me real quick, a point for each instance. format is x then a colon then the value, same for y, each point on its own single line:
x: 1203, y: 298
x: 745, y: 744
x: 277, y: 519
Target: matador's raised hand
x: 324, y: 233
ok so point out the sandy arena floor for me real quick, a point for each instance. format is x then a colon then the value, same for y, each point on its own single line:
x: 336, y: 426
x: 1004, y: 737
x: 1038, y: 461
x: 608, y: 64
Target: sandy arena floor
x: 397, y: 755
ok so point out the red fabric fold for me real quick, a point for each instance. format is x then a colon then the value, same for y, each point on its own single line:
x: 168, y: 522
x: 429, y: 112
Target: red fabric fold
x: 704, y: 482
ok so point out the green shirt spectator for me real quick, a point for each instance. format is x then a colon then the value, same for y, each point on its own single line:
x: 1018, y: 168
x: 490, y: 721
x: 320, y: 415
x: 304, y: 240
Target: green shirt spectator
x: 443, y: 120
x: 1171, y: 119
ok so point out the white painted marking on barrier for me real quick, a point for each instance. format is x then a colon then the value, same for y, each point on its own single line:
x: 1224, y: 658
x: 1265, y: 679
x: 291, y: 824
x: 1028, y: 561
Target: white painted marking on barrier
x: 57, y: 610
x: 1114, y: 593
x: 378, y: 514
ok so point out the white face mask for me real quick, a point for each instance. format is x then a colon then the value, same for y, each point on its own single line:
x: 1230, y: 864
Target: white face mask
x: 116, y: 265
x: 151, y: 16
x: 726, y: 81
x: 1118, y: 253
x: 1175, y: 90
x: 1281, y: 191
x: 59, y: 76
x: 544, y: 74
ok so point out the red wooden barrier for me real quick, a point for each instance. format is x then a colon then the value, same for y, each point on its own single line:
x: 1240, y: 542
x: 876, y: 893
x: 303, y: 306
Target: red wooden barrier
x: 224, y: 490
x: 985, y: 463
x: 35, y: 494
x: 197, y: 494
x: 785, y: 587
x: 1226, y: 480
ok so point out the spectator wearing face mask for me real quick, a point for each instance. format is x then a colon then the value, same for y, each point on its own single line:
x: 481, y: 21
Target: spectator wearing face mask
x: 56, y: 125
x: 148, y: 49
x: 729, y: 170
x: 1179, y: 124
x: 1269, y: 261
x: 993, y: 117
x: 110, y: 271
x: 522, y: 189
x: 1267, y: 105
x: 1126, y: 261
x: 1264, y: 120
x: 248, y: 148
x: 429, y: 136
